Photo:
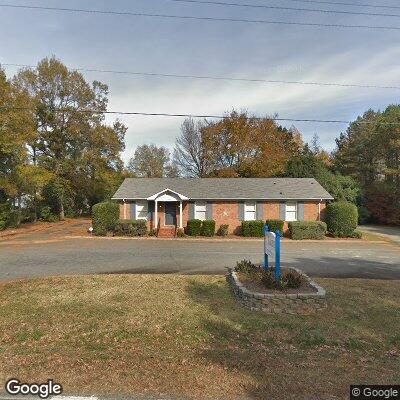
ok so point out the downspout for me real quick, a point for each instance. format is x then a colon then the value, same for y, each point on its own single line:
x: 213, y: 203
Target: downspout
x: 319, y: 210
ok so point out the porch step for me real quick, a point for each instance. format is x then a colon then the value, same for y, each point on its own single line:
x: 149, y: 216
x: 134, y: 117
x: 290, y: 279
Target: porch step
x: 166, y: 231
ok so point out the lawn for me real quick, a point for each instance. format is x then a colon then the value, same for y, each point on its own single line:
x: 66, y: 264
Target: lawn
x: 185, y: 336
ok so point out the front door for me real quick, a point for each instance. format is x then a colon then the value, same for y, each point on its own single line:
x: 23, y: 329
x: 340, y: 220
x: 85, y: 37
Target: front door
x: 170, y: 213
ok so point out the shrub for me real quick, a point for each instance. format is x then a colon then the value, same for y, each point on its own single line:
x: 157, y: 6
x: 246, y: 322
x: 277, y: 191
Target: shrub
x: 223, y: 230
x: 289, y: 279
x: 47, y: 215
x: 153, y: 232
x: 180, y: 233
x: 15, y: 219
x: 247, y: 267
x: 307, y: 230
x: 342, y: 218
x: 5, y: 212
x: 364, y: 215
x: 208, y: 228
x: 104, y: 217
x: 357, y: 234
x: 292, y: 279
x: 275, y: 225
x: 194, y: 227
x: 253, y: 228
x: 130, y: 228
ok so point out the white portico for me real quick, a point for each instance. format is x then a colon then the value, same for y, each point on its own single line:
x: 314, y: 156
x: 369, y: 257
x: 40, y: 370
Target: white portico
x: 169, y: 198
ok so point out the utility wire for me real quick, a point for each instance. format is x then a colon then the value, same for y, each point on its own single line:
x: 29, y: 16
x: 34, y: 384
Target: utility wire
x: 337, y: 3
x: 152, y: 114
x: 258, y: 6
x: 190, y: 17
x: 220, y: 78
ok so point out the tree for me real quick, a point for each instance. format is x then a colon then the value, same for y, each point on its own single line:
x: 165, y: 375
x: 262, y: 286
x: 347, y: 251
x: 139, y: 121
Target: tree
x: 151, y: 161
x: 190, y: 153
x: 72, y: 140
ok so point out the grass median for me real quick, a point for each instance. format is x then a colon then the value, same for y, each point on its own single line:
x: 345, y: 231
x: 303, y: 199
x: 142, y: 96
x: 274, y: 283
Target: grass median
x: 185, y: 336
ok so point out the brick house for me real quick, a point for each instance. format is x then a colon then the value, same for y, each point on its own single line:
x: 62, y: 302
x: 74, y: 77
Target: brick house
x: 168, y: 203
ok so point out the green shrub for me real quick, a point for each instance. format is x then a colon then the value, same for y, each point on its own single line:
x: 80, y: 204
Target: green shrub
x: 47, y: 215
x: 247, y: 267
x: 290, y: 279
x: 307, y: 230
x: 180, y: 233
x: 208, y: 228
x: 364, y: 215
x: 104, y: 217
x: 253, y: 228
x: 223, y: 230
x: 275, y: 225
x: 15, y: 219
x: 153, y: 232
x: 5, y: 212
x: 128, y: 227
x: 357, y: 234
x: 194, y: 227
x: 342, y: 218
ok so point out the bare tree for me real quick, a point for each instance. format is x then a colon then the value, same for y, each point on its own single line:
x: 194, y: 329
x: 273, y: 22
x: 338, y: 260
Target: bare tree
x: 190, y: 154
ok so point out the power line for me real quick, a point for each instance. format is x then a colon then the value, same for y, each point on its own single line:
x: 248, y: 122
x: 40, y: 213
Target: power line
x: 191, y: 17
x: 336, y: 3
x: 262, y: 6
x: 153, y: 114
x: 220, y: 78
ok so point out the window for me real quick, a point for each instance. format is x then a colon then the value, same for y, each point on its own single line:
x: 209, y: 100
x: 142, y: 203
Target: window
x: 141, y: 210
x: 250, y: 211
x: 291, y: 212
x: 200, y: 210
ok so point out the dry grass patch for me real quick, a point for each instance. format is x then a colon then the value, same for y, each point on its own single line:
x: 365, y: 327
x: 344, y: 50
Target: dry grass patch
x: 185, y: 336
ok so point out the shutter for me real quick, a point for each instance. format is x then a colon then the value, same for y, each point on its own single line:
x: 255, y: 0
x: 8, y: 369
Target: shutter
x: 282, y: 211
x: 150, y: 210
x: 209, y: 211
x: 191, y: 210
x: 300, y: 211
x: 133, y: 211
x: 260, y: 211
x: 241, y: 211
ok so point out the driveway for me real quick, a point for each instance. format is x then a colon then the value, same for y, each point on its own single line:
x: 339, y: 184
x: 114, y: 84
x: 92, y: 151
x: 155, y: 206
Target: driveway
x: 47, y: 255
x: 390, y: 232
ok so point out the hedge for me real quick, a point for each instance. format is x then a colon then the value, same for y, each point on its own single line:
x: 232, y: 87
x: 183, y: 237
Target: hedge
x: 307, y: 230
x: 131, y: 228
x: 194, y: 227
x: 275, y: 225
x: 208, y: 228
x: 223, y: 230
x: 104, y: 217
x: 253, y: 228
x: 341, y: 218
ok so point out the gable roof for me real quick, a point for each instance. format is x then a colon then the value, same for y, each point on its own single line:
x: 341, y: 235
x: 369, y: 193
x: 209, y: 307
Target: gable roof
x: 225, y: 188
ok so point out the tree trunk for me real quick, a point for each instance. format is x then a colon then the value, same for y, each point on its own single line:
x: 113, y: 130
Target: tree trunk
x: 62, y: 215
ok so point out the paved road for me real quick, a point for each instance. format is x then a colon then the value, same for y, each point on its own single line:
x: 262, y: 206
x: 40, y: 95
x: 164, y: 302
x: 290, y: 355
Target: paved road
x: 390, y: 232
x: 21, y: 258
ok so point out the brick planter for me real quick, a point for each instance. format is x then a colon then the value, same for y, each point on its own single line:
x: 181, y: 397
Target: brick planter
x: 278, y: 303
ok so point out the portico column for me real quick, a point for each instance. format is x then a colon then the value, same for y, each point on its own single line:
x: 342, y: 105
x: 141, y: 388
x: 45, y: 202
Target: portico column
x: 155, y: 214
x: 180, y: 215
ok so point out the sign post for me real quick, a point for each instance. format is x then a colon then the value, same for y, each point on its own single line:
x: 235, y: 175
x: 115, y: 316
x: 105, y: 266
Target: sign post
x: 272, y: 248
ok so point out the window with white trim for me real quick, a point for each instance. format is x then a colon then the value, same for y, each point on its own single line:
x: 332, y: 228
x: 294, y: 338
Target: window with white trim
x: 250, y: 211
x: 291, y: 212
x: 200, y: 210
x: 141, y: 210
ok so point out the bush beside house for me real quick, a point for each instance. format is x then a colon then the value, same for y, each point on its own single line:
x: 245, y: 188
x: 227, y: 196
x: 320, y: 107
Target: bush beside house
x: 105, y: 217
x: 130, y: 228
x: 223, y: 230
x: 253, y: 228
x: 342, y: 219
x: 300, y: 230
x: 208, y: 228
x: 275, y: 225
x: 196, y: 227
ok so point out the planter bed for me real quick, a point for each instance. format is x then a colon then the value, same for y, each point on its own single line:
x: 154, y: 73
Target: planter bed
x: 307, y: 299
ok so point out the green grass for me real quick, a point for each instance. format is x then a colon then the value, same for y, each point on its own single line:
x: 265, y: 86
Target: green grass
x: 186, y: 336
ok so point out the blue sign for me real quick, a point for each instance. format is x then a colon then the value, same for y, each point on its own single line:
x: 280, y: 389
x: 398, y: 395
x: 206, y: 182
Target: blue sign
x: 272, y: 247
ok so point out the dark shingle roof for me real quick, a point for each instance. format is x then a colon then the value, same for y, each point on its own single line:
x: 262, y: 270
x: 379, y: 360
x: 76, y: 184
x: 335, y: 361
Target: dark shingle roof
x: 225, y: 188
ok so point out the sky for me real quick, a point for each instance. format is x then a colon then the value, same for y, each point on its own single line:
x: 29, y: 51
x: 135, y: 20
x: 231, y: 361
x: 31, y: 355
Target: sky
x: 215, y: 48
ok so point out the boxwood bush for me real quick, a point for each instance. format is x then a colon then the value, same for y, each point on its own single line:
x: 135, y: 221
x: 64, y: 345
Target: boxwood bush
x: 307, y: 230
x: 223, y: 230
x: 208, y: 228
x: 5, y: 212
x: 275, y: 225
x: 253, y: 228
x: 194, y: 227
x: 130, y: 228
x: 104, y: 217
x: 341, y: 218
